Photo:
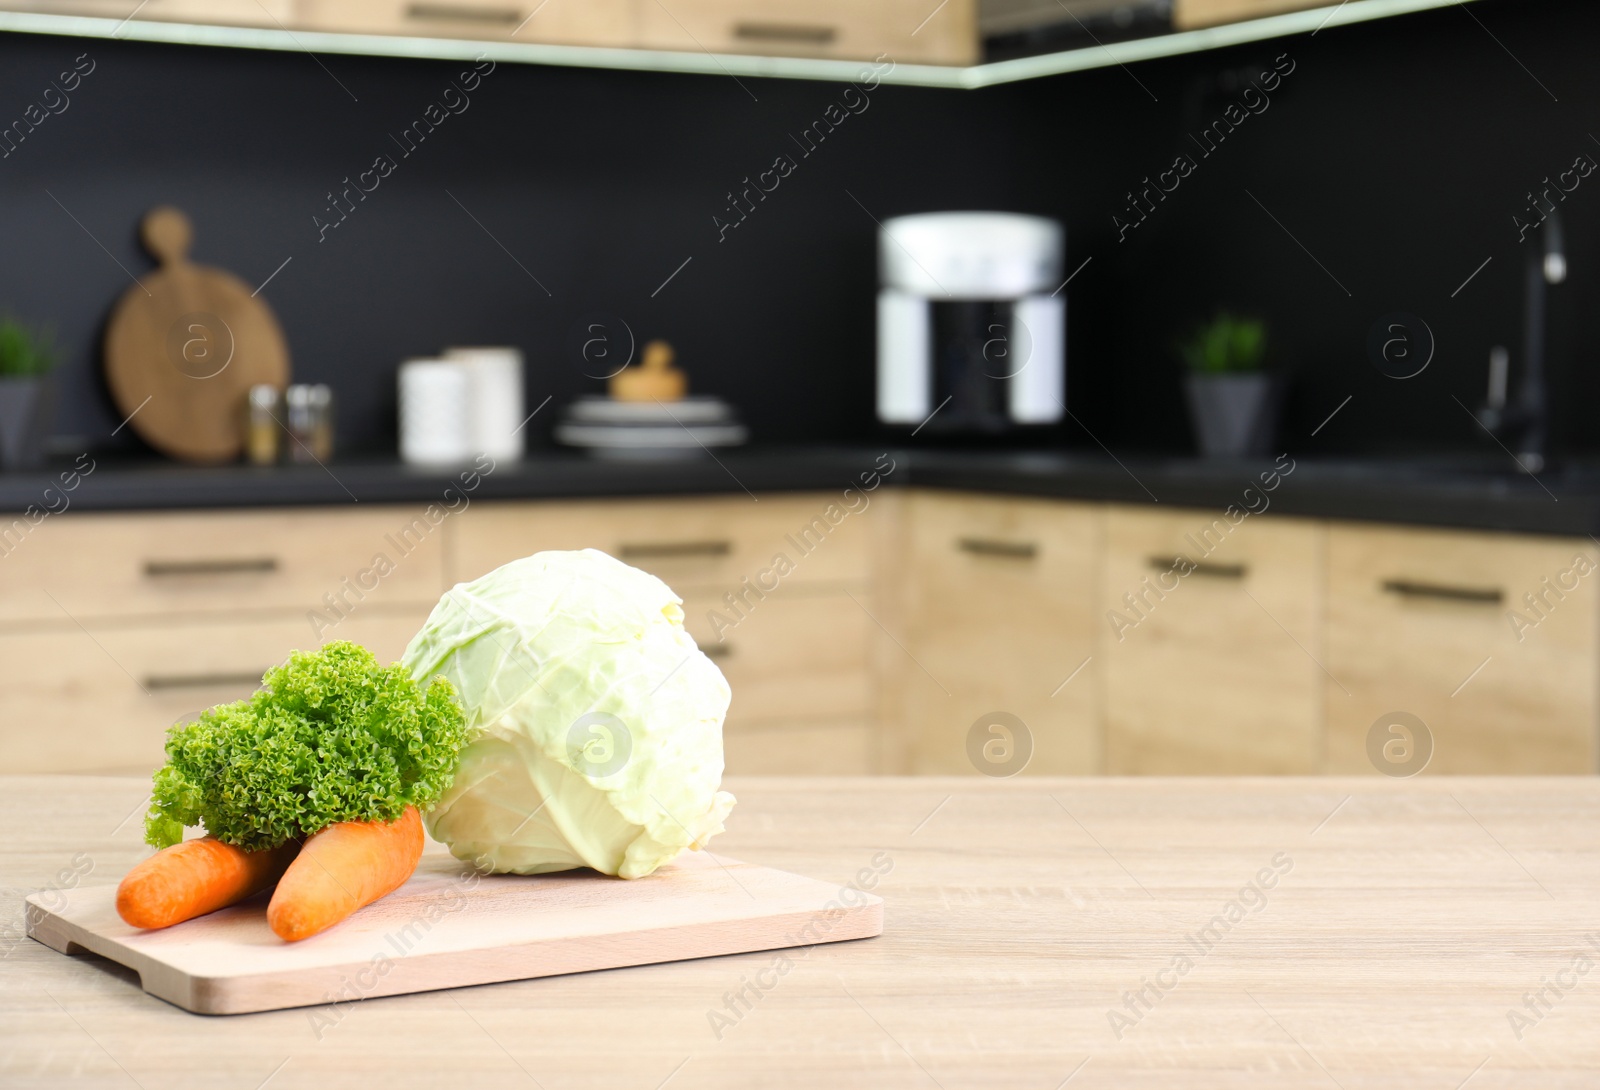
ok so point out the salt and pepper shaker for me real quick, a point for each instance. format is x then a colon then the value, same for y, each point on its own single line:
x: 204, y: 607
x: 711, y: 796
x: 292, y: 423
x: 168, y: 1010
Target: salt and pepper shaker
x: 309, y: 419
x: 262, y: 430
x: 295, y: 425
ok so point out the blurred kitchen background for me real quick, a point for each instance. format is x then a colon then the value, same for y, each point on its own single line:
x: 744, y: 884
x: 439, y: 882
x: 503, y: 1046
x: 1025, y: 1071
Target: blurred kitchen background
x: 1254, y: 438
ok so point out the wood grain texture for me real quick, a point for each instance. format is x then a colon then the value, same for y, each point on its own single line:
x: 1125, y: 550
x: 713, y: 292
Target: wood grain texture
x: 712, y: 543
x: 225, y: 12
x: 1214, y: 672
x: 100, y: 698
x: 801, y: 748
x: 906, y: 30
x: 1187, y: 14
x: 184, y: 344
x: 173, y: 564
x: 1503, y: 686
x: 566, y: 22
x: 789, y: 657
x: 996, y: 611
x: 1416, y: 914
x: 450, y: 927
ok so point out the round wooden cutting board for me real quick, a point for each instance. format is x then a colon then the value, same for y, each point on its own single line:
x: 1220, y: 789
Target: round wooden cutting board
x: 182, y: 349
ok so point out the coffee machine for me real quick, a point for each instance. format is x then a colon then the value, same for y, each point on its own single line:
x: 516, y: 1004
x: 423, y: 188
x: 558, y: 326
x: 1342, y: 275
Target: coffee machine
x: 971, y: 322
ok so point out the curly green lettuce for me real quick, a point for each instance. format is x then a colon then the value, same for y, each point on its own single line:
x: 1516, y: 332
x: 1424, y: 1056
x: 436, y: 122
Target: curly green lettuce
x: 330, y: 736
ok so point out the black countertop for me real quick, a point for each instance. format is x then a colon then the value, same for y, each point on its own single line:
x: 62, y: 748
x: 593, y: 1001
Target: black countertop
x: 1447, y: 492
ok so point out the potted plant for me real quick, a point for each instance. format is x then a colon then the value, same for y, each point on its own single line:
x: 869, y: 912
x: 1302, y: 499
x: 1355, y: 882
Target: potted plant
x: 27, y: 393
x: 1233, y: 400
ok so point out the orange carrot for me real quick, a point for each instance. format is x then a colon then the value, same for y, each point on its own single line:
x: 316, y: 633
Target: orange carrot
x: 342, y: 868
x: 196, y: 877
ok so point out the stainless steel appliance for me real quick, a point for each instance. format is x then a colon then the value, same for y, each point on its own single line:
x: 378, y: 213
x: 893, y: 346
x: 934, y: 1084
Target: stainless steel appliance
x: 971, y: 322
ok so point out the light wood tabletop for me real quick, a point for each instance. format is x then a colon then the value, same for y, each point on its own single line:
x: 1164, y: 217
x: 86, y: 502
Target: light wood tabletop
x: 1040, y: 933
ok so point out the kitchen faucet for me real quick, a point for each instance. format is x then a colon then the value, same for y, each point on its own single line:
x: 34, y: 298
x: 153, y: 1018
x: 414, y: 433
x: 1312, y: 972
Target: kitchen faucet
x: 1526, y: 423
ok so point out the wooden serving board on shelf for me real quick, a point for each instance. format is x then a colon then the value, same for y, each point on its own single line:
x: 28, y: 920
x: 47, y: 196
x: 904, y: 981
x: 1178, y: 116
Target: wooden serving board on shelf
x: 184, y: 345
x: 449, y: 927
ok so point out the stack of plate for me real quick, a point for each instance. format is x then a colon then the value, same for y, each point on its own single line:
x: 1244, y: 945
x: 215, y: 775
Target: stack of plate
x: 650, y: 429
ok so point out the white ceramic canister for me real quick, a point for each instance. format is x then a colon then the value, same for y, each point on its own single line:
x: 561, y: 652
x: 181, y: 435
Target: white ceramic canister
x: 436, y: 425
x: 497, y: 403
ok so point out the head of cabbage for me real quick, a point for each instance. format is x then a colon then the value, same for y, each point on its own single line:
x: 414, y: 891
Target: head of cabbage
x: 594, y: 722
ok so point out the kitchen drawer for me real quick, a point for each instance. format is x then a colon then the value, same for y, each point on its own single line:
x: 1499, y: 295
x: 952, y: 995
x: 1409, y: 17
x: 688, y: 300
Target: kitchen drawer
x: 793, y: 656
x: 812, y: 749
x: 708, y: 542
x: 1187, y: 14
x: 1211, y: 672
x: 997, y: 613
x: 92, y: 566
x: 100, y: 699
x: 1414, y: 614
x: 905, y: 30
x: 225, y: 12
x: 565, y: 22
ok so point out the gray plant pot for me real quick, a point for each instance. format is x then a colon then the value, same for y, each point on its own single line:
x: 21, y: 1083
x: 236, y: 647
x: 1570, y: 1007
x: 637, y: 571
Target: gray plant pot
x: 1235, y: 416
x: 27, y: 411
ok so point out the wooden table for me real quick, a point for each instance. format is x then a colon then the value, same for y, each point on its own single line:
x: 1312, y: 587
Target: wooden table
x: 1393, y: 933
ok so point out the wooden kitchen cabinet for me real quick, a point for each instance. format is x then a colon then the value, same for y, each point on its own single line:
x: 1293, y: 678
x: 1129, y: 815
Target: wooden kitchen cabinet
x: 115, y: 626
x: 799, y: 658
x: 1188, y: 14
x: 794, y: 657
x: 900, y: 637
x: 996, y: 613
x: 267, y: 13
x: 800, y: 664
x: 118, y: 625
x: 904, y: 31
x: 1438, y: 624
x: 713, y: 542
x: 1214, y: 671
x: 99, y: 699
x: 559, y: 22
x: 170, y: 564
x: 802, y: 749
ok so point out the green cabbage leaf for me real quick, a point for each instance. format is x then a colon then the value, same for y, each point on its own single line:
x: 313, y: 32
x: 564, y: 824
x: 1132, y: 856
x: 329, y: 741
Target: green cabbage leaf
x: 594, y: 722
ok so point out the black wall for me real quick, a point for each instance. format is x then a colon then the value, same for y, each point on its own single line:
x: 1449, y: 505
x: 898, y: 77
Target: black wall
x: 1396, y: 153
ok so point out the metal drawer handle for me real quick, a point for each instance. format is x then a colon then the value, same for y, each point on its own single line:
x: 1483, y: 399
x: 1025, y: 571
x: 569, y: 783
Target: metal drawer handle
x: 1198, y: 567
x: 157, y: 682
x: 256, y: 565
x: 785, y: 32
x: 717, y: 650
x: 1011, y: 550
x: 449, y: 13
x: 673, y: 550
x: 1492, y: 596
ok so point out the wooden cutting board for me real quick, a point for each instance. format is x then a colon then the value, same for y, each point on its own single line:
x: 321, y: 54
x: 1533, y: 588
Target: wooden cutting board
x: 449, y: 928
x: 185, y: 344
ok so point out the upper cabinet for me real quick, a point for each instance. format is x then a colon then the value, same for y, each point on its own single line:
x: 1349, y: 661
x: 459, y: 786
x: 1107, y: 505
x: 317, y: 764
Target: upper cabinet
x: 953, y: 43
x: 902, y: 30
x: 561, y: 22
x: 906, y: 31
x: 1187, y: 14
x: 244, y: 13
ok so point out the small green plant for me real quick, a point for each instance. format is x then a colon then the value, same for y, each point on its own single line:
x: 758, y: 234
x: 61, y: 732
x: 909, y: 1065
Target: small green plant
x: 1226, y: 345
x: 24, y: 352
